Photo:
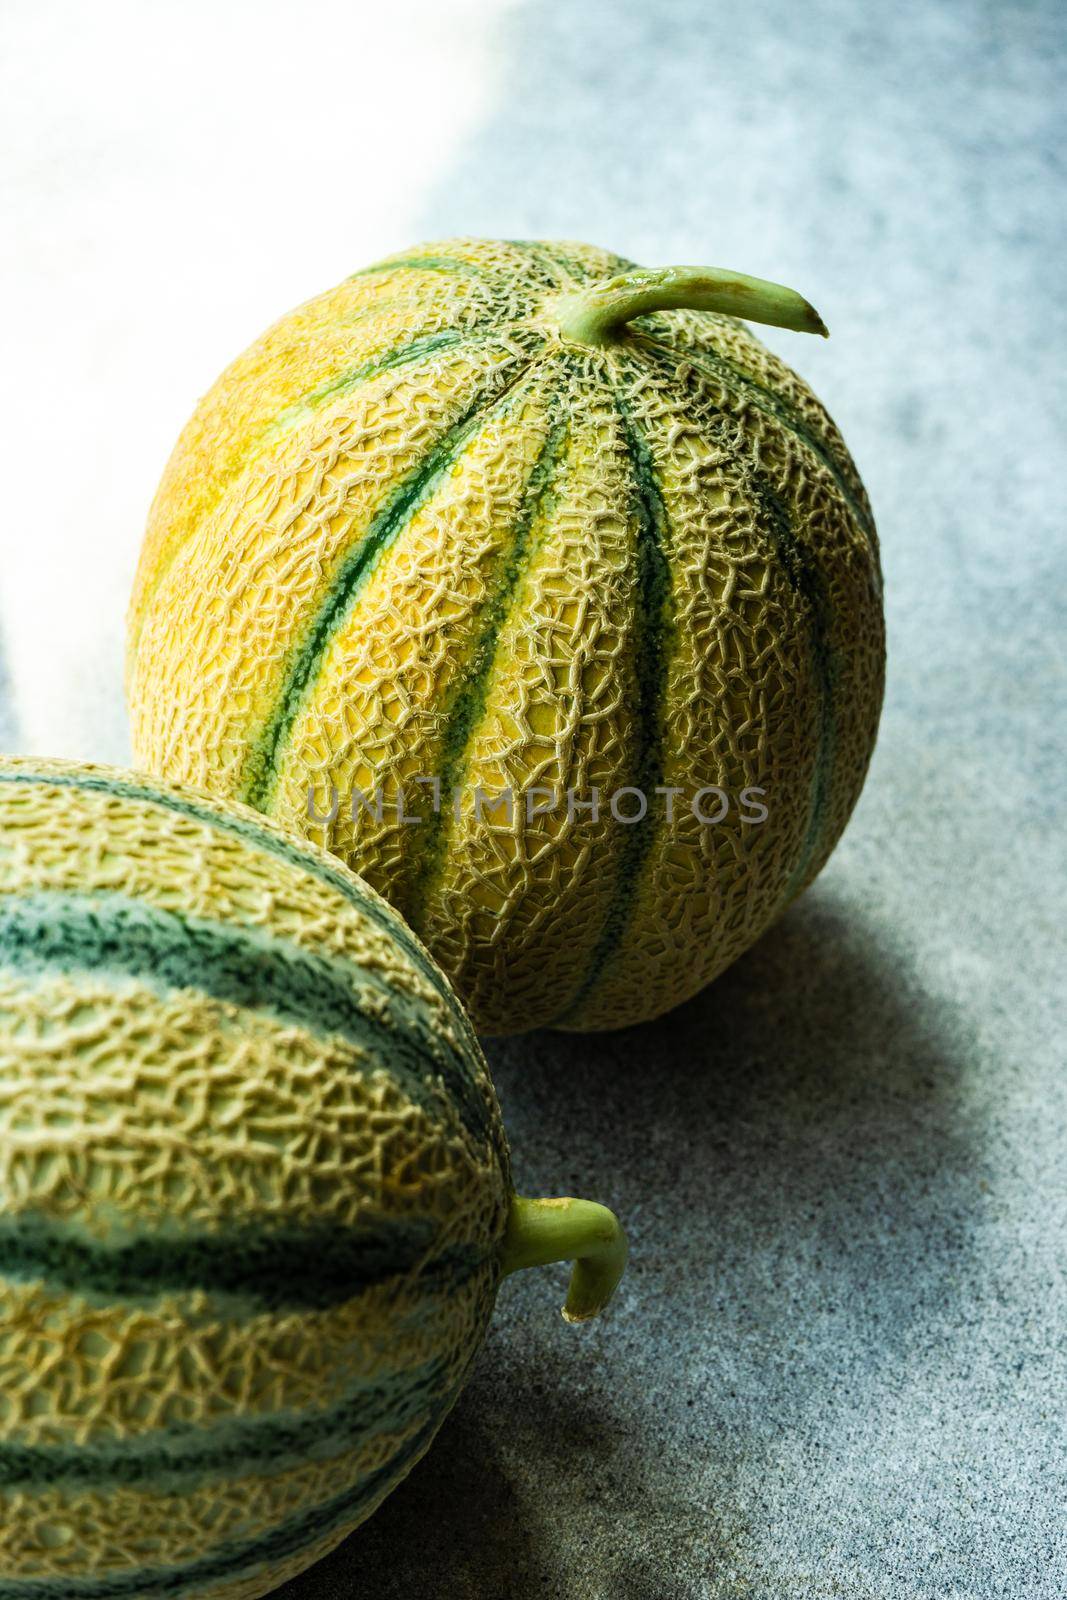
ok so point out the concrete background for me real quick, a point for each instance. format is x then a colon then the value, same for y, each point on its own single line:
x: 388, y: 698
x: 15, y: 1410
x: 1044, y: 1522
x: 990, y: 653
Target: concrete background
x: 837, y: 1366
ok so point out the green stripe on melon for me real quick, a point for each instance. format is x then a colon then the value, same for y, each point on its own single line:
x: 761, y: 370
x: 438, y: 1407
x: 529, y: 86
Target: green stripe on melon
x: 265, y: 1558
x: 360, y: 554
x: 169, y: 1460
x: 467, y: 704
x: 653, y: 624
x: 261, y: 1266
x: 345, y: 382
x: 244, y: 967
x: 300, y: 672
x: 735, y: 379
x: 252, y: 829
x: 801, y: 567
x: 426, y: 1202
x: 803, y: 573
x: 417, y: 264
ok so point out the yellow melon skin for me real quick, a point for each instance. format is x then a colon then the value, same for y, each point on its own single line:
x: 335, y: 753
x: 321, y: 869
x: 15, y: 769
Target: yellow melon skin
x: 418, y: 533
x: 253, y: 1192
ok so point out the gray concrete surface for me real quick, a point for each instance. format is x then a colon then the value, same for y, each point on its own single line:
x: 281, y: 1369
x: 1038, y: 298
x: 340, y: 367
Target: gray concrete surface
x: 837, y: 1368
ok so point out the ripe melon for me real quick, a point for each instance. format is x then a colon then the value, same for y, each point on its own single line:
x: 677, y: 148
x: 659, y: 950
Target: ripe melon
x: 255, y: 1201
x: 520, y: 519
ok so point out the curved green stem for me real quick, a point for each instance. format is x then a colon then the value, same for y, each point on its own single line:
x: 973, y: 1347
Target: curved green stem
x: 542, y: 1231
x: 596, y: 315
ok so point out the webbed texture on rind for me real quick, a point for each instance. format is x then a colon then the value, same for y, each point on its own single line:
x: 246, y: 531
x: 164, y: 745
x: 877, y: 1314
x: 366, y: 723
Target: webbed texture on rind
x: 415, y: 537
x: 253, y: 1184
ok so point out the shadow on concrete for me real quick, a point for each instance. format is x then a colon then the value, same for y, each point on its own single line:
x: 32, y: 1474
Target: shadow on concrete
x: 487, y: 1513
x: 454, y: 1526
x: 793, y: 1158
x: 811, y: 1102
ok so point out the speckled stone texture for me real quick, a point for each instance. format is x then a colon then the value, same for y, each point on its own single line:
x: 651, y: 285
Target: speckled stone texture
x: 837, y: 1365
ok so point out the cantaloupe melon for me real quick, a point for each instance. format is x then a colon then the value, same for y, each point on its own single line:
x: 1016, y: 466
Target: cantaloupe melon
x: 255, y: 1200
x: 518, y: 519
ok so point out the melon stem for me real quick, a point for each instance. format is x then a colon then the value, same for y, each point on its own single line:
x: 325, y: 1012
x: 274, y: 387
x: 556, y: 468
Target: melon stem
x: 542, y: 1231
x: 598, y: 314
